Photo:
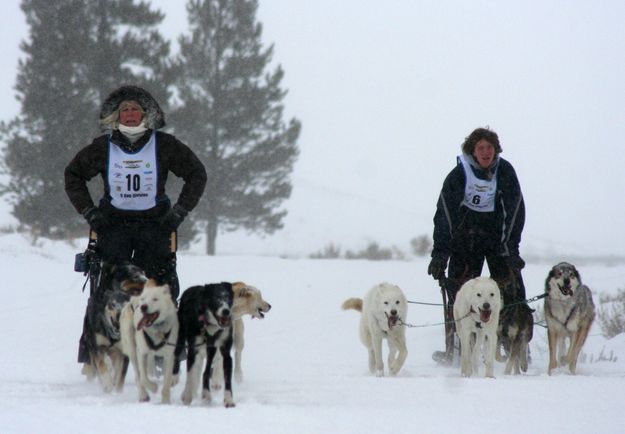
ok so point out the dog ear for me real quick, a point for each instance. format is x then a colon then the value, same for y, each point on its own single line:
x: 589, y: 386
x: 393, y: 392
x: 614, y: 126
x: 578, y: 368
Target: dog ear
x: 150, y: 283
x: 552, y: 273
x: 166, y: 290
x: 131, y: 288
x: 240, y: 289
x: 576, y: 273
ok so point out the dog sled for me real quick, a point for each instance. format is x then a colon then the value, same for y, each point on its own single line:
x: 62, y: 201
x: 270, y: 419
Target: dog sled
x: 99, y: 277
x: 90, y: 263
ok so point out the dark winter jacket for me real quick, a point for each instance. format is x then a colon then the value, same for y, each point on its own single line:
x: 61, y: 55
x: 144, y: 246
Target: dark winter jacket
x: 453, y: 221
x: 172, y: 155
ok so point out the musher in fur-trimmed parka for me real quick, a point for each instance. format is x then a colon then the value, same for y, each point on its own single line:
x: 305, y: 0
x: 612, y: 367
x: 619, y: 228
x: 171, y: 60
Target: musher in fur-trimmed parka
x: 134, y: 219
x: 480, y: 216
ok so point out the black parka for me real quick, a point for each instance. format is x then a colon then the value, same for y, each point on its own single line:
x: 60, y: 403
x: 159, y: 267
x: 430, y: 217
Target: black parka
x: 453, y: 221
x: 172, y: 155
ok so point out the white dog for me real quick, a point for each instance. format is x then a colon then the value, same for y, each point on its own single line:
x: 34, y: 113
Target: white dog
x: 476, y: 312
x: 383, y: 309
x: 149, y: 328
x: 248, y: 300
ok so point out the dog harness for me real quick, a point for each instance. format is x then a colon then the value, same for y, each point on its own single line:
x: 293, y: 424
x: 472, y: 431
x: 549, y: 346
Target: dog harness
x: 132, y: 177
x: 151, y: 345
x: 479, y: 194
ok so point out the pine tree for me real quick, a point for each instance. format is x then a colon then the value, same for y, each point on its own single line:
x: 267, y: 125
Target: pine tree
x: 77, y: 53
x: 231, y: 113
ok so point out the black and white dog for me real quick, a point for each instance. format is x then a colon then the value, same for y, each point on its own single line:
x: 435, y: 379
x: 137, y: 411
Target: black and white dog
x: 101, y: 326
x: 205, y: 317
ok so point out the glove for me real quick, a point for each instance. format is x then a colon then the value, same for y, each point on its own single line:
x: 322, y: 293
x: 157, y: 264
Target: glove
x: 437, y: 267
x: 173, y: 217
x: 96, y: 218
x: 515, y: 262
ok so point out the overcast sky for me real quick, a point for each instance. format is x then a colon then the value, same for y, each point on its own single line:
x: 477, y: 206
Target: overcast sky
x: 387, y: 91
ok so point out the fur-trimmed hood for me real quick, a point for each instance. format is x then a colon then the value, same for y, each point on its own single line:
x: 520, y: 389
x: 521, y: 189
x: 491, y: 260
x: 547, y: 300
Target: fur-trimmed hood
x: 154, y: 116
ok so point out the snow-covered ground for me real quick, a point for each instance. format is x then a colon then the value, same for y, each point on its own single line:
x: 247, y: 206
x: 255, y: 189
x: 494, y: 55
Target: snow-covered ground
x: 305, y: 370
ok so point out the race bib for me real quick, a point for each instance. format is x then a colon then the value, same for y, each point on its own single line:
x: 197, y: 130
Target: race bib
x: 132, y: 177
x: 479, y: 194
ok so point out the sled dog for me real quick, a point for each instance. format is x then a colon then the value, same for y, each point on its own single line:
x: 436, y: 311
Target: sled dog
x: 383, y: 309
x: 516, y: 328
x: 248, y: 300
x: 476, y: 313
x: 515, y: 331
x: 569, y: 312
x: 149, y: 328
x: 118, y: 284
x: 205, y: 316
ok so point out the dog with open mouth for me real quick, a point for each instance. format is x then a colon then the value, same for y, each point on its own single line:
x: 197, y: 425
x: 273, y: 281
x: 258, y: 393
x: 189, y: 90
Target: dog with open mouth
x: 384, y: 309
x: 205, y: 317
x: 569, y: 313
x: 476, y: 313
x: 248, y: 300
x: 149, y: 328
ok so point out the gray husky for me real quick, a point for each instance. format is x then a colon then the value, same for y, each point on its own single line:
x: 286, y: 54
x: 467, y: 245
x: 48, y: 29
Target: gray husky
x: 569, y: 312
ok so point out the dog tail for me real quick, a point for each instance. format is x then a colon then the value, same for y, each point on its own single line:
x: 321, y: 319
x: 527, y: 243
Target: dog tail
x: 353, y: 303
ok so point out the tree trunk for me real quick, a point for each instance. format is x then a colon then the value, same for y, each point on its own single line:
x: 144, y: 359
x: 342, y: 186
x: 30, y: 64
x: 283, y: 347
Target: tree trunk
x: 211, y: 236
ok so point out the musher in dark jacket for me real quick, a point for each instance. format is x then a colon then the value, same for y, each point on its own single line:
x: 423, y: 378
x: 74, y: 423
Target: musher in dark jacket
x: 479, y: 216
x: 134, y: 219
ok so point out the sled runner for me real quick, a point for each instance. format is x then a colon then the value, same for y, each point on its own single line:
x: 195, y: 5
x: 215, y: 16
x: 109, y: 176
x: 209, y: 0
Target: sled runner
x: 451, y: 345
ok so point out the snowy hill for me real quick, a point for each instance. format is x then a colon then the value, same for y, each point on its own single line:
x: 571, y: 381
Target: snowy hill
x: 304, y: 368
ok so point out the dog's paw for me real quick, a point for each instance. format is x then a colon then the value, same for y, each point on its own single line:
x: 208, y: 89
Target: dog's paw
x: 379, y: 373
x: 143, y: 396
x: 88, y: 371
x: 107, y: 386
x: 228, y: 401
x: 206, y: 396
x: 186, y: 397
x: 166, y: 397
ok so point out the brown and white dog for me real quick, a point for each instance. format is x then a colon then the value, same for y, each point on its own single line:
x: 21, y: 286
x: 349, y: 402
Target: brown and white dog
x: 248, y: 300
x: 569, y: 312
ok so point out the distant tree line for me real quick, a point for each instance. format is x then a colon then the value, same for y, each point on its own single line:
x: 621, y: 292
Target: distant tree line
x: 219, y: 93
x: 421, y: 246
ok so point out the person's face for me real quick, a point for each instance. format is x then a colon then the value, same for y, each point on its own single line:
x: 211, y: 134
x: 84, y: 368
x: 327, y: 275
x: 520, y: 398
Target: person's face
x: 130, y: 114
x: 484, y: 153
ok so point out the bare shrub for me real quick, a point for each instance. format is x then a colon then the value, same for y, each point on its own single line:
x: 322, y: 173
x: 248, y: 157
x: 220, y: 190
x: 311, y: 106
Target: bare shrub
x: 330, y: 251
x: 372, y: 252
x: 612, y: 314
x: 421, y: 245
